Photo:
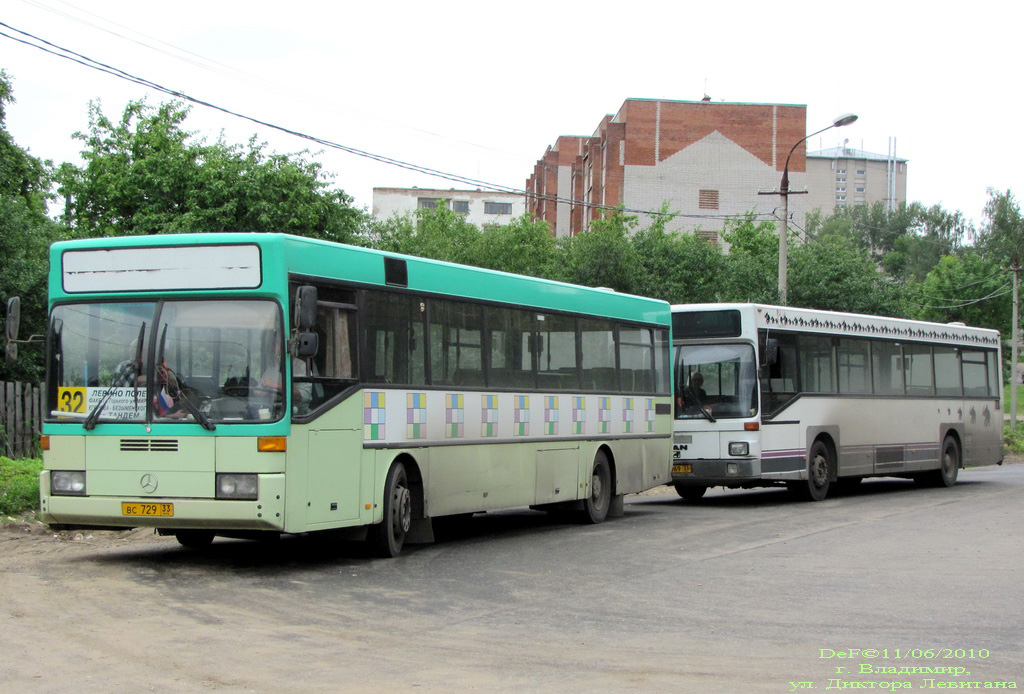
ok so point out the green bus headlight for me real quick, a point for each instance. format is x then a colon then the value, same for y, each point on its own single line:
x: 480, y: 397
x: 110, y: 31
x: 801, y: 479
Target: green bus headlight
x: 67, y: 482
x: 238, y: 486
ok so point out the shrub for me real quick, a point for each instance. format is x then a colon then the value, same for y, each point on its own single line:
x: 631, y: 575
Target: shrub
x: 19, y: 485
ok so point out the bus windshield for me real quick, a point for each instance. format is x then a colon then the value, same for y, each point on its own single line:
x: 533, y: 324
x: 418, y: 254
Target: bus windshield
x: 203, y: 361
x: 716, y: 381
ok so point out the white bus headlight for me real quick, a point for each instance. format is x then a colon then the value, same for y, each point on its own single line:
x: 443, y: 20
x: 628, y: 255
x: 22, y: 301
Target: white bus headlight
x: 237, y: 486
x: 67, y: 482
x: 739, y: 448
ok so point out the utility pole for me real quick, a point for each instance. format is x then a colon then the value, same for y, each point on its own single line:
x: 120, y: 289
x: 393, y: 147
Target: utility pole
x: 785, y: 192
x: 1013, y: 349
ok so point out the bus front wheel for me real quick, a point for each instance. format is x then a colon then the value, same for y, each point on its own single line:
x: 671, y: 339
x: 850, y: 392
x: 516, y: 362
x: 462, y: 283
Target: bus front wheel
x: 194, y: 539
x: 689, y: 492
x: 819, y: 474
x: 388, y: 536
x: 597, y: 503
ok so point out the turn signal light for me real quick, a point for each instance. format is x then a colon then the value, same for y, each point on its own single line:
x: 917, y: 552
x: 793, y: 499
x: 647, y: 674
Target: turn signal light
x: 272, y: 444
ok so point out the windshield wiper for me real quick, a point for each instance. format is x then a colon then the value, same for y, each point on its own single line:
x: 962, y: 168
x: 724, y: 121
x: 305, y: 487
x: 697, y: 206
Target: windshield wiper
x: 122, y: 376
x: 169, y: 377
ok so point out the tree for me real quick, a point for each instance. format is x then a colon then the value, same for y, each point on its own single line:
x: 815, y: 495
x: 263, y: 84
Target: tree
x: 679, y: 268
x: 967, y: 288
x: 147, y: 175
x: 603, y: 256
x: 25, y: 235
x: 523, y: 246
x: 752, y: 266
x: 436, y: 233
x: 833, y: 274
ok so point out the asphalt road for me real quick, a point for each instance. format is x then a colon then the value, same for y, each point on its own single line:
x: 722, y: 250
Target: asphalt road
x: 741, y: 592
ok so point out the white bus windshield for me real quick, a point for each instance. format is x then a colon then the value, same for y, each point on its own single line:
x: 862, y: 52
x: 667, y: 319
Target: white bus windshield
x: 207, y: 361
x: 716, y: 381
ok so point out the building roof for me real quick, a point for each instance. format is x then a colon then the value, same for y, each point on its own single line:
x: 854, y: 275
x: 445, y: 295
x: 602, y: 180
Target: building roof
x: 851, y: 153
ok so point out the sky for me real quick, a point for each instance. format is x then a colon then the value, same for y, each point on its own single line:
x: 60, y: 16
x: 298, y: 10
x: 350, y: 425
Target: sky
x: 480, y: 90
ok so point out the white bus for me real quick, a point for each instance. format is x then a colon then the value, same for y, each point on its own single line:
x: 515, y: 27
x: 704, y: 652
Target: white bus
x: 768, y: 395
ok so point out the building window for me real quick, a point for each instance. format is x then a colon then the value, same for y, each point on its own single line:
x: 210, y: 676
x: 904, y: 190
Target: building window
x: 861, y: 172
x: 841, y: 198
x: 497, y: 208
x: 428, y: 203
x: 841, y: 171
x: 840, y: 189
x: 860, y: 189
x: 460, y: 206
x: 840, y: 179
x: 710, y: 237
x: 707, y: 200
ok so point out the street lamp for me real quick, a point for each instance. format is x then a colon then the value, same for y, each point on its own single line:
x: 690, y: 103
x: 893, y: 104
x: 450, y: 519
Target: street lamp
x: 785, y: 192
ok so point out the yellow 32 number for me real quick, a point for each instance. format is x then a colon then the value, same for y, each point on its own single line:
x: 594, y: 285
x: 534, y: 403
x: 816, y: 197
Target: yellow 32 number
x: 71, y: 400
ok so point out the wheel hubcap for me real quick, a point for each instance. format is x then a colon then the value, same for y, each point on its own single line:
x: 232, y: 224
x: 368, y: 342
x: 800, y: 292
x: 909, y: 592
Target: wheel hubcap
x: 596, y: 487
x: 402, y: 517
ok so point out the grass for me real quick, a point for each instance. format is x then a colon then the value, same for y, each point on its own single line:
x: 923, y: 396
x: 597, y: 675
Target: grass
x: 19, y: 485
x: 1006, y: 398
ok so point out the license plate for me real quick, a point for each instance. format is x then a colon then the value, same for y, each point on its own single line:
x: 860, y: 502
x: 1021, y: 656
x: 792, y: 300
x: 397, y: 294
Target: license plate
x: 684, y: 469
x: 146, y: 510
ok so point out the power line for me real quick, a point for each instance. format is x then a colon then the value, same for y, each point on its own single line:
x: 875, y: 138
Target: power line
x: 85, y: 61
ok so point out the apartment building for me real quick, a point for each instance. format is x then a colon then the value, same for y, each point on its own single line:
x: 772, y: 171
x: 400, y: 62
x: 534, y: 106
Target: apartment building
x: 842, y: 176
x: 706, y: 160
x: 480, y: 207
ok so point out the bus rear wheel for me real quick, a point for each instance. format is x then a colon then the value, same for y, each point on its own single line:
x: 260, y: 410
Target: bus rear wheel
x: 819, y: 474
x: 388, y: 537
x: 597, y: 503
x: 949, y: 466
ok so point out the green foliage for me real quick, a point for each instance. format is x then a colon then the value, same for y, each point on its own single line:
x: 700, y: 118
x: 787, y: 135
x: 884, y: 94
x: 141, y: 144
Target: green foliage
x: 19, y: 485
x: 950, y: 292
x: 752, y: 265
x: 603, y: 256
x: 832, y: 274
x: 25, y: 234
x: 147, y: 175
x: 1013, y: 438
x: 679, y: 268
x: 1002, y: 234
x: 436, y: 233
x: 523, y: 246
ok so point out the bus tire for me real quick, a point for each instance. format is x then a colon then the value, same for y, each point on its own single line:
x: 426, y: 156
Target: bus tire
x: 597, y: 503
x: 388, y: 536
x: 689, y: 492
x: 949, y: 466
x: 194, y: 539
x: 819, y: 474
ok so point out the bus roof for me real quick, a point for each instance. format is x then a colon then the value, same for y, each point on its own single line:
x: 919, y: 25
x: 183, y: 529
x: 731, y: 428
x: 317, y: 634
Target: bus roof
x: 764, y: 316
x: 282, y: 255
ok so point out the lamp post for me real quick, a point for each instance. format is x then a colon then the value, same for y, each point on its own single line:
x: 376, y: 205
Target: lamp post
x: 785, y: 192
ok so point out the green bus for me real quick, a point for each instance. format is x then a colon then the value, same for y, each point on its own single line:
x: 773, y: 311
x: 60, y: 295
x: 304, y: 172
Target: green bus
x: 245, y: 385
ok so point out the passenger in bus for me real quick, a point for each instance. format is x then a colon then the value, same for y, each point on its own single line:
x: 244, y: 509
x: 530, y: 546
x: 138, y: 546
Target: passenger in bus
x: 694, y: 395
x: 271, y: 377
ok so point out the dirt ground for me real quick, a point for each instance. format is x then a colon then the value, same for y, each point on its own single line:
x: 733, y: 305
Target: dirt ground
x: 94, y: 611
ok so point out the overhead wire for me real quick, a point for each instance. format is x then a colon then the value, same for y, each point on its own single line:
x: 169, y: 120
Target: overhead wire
x: 81, y: 59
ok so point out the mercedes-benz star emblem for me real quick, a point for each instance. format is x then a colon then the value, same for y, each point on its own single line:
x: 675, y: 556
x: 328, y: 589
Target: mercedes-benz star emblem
x: 149, y: 483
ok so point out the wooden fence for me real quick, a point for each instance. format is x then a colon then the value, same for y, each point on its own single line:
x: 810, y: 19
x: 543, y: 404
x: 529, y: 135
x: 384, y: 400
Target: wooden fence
x: 21, y: 418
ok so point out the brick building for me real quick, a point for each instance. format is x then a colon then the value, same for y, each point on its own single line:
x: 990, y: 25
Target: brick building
x: 707, y: 160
